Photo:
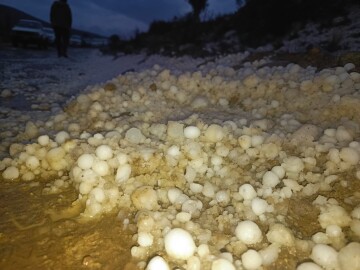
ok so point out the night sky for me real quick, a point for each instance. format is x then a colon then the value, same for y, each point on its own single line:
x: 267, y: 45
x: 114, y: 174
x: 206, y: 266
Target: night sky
x: 122, y: 17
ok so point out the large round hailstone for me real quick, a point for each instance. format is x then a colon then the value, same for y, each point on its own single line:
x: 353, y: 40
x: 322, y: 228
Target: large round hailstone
x: 251, y: 259
x: 85, y: 161
x: 11, y: 173
x: 145, y: 239
x: 145, y: 198
x: 134, y: 135
x: 157, y: 263
x: 32, y: 162
x: 247, y: 192
x: 98, y: 194
x: 222, y: 264
x: 349, y: 155
x: 309, y: 266
x: 325, y: 255
x: 191, y: 132
x: 104, y: 152
x: 179, y: 244
x: 101, y: 167
x: 270, y: 179
x: 349, y: 256
x: 248, y: 232
x: 293, y: 164
x: 259, y: 206
x: 214, y: 133
x: 123, y: 173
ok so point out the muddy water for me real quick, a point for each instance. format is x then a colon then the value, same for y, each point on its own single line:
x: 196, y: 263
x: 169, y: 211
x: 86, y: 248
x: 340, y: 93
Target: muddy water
x: 29, y: 239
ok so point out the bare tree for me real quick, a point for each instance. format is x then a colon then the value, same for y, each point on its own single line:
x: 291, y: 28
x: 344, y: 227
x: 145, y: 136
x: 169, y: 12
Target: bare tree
x: 198, y: 6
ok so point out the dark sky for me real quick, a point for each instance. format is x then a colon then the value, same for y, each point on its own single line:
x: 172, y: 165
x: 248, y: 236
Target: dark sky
x: 121, y: 17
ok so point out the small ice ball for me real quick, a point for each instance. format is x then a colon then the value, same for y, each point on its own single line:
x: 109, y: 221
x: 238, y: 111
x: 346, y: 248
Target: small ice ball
x: 349, y: 155
x: 248, y: 232
x: 349, y: 256
x: 259, y: 206
x: 257, y: 140
x: 214, y: 133
x: 32, y: 162
x: 293, y: 164
x: 309, y: 266
x: 216, y: 160
x: 123, y: 173
x: 356, y: 212
x: 43, y: 140
x: 191, y: 132
x: 245, y: 141
x: 157, y: 263
x: 279, y: 171
x: 85, y: 188
x: 104, y: 152
x: 11, y: 173
x: 145, y: 198
x: 173, y: 194
x: 101, y: 168
x: 134, y: 135
x: 325, y: 255
x: 222, y: 196
x: 270, y: 254
x: 251, y: 259
x: 145, y: 239
x: 270, y: 179
x: 342, y: 134
x: 179, y: 244
x: 98, y: 194
x: 222, y: 264
x: 61, y: 137
x: 173, y: 151
x: 333, y: 231
x: 85, y: 161
x: 247, y: 192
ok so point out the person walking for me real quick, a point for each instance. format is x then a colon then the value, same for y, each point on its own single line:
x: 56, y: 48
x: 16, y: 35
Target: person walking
x: 61, y: 21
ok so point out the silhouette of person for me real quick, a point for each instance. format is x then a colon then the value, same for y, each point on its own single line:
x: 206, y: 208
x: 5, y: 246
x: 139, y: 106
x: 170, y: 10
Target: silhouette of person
x: 61, y: 20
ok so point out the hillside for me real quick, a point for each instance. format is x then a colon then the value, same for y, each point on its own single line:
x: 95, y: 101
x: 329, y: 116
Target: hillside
x: 10, y: 16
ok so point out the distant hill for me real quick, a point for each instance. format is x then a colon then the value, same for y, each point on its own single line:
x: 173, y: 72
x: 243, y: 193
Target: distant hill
x: 9, y: 16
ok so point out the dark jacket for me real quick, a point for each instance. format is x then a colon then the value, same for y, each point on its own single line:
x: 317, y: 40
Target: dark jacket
x: 60, y: 15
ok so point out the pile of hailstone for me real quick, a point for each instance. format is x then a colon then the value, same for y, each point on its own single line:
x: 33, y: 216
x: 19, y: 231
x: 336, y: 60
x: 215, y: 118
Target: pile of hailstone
x: 204, y: 160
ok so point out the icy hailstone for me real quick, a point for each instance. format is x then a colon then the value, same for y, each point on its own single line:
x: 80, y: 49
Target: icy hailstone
x: 179, y: 244
x: 221, y: 264
x: 85, y: 161
x: 104, y: 152
x: 248, y: 232
x: 191, y: 132
x: 157, y: 263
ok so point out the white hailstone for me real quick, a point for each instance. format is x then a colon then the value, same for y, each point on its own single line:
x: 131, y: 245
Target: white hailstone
x: 61, y: 137
x: 203, y: 250
x: 247, y: 192
x: 248, y: 232
x: 356, y: 212
x: 216, y: 160
x: 222, y: 196
x: 32, y: 162
x: 85, y: 161
x: 334, y: 215
x: 11, y: 173
x: 191, y: 132
x: 179, y: 244
x: 342, y: 134
x: 104, y: 152
x: 193, y: 263
x: 245, y: 141
x: 256, y: 140
x: 325, y: 256
x: 281, y: 235
x: 183, y: 217
x: 270, y: 179
x: 123, y: 173
x: 349, y: 66
x: 309, y: 266
x: 293, y: 164
x: 145, y: 198
x: 101, y: 167
x: 196, y: 188
x: 279, y: 171
x: 214, y: 133
x: 208, y: 190
x: 134, y: 135
x: 43, y: 140
x: 259, y: 206
x: 173, y: 194
x: 98, y: 194
x: 222, y: 264
x: 191, y: 206
x: 349, y: 155
x: 173, y: 151
x: 199, y: 102
x: 157, y: 263
x: 333, y: 231
x: 349, y: 256
x: 251, y: 259
x: 270, y: 254
x: 85, y: 188
x: 145, y: 239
